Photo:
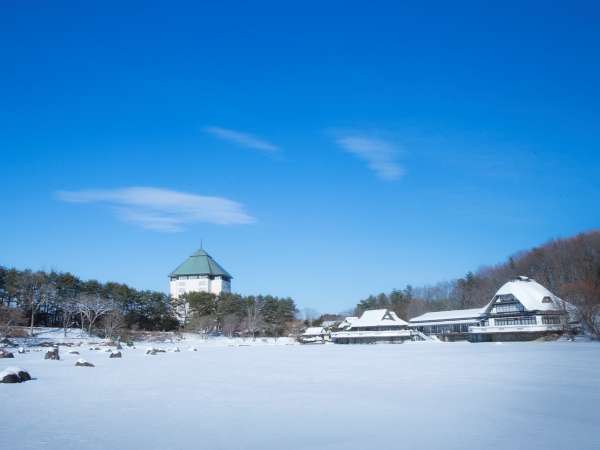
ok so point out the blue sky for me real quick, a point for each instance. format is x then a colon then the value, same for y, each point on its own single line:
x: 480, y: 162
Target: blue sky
x: 323, y: 152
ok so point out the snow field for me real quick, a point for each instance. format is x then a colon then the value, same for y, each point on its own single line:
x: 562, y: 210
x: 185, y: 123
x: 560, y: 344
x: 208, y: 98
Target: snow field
x: 410, y: 396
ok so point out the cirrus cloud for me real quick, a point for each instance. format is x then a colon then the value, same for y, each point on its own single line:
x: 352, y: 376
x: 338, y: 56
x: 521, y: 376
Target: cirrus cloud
x: 242, y: 139
x: 162, y: 209
x: 380, y: 155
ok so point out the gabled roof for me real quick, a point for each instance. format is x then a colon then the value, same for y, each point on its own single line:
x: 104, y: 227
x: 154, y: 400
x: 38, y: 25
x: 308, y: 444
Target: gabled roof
x: 377, y: 317
x: 532, y: 295
x: 200, y: 263
x: 314, y: 331
x: 454, y: 314
x: 347, y: 322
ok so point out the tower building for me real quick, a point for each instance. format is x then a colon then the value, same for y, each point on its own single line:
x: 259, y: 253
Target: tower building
x: 199, y: 273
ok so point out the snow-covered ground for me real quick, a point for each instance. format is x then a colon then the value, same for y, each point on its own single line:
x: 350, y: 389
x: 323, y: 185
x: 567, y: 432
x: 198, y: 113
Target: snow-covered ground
x: 411, y: 396
x: 54, y: 335
x: 43, y: 336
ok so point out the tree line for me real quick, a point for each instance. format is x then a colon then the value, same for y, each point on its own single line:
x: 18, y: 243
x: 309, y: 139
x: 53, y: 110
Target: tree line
x: 237, y: 315
x: 398, y: 301
x: 56, y: 299
x: 568, y: 267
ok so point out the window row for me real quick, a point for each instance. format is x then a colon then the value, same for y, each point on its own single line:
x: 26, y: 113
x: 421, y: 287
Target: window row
x: 551, y: 320
x: 511, y: 307
x: 443, y: 329
x: 515, y: 321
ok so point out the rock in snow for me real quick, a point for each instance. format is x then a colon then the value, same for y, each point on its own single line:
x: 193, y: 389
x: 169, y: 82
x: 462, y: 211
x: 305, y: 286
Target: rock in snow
x: 14, y: 375
x: 7, y: 342
x: 154, y: 351
x: 115, y: 355
x: 83, y: 363
x: 52, y: 354
x: 73, y: 352
x: 6, y: 354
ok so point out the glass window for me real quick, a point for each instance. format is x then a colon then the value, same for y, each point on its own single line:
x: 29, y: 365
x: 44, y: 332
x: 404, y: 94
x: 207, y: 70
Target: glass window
x: 509, y: 307
x: 551, y: 320
x: 512, y: 321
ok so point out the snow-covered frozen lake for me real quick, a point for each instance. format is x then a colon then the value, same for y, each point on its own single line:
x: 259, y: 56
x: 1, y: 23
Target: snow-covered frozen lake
x: 412, y: 396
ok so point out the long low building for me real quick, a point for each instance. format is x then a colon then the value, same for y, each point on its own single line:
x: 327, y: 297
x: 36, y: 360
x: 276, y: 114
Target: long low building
x: 376, y: 325
x: 453, y: 324
x: 522, y: 309
x: 313, y: 335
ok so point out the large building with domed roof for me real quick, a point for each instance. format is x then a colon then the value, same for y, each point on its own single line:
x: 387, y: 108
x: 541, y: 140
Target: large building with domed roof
x: 522, y: 309
x: 199, y: 273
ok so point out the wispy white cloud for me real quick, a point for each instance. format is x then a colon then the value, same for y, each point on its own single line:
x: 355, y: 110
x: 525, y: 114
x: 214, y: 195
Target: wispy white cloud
x: 380, y: 155
x: 162, y: 209
x: 242, y: 139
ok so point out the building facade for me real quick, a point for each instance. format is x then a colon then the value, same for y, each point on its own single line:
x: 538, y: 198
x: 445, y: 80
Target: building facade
x: 447, y: 325
x: 199, y: 273
x: 521, y: 310
x: 376, y: 325
x: 314, y: 335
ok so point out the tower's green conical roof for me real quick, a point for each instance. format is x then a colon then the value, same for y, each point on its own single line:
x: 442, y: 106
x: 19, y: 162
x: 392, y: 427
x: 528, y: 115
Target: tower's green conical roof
x: 200, y: 263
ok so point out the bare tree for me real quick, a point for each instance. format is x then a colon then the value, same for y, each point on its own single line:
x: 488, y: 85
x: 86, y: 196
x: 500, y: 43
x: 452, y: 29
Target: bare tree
x: 9, y: 317
x: 36, y: 291
x: 231, y: 323
x: 113, y: 321
x: 68, y: 311
x: 253, y: 319
x: 586, y: 295
x: 202, y: 324
x: 92, y: 306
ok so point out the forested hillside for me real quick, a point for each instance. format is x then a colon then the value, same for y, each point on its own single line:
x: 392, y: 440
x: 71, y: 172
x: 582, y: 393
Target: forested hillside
x: 568, y: 267
x: 63, y: 300
x: 234, y: 314
x: 57, y: 299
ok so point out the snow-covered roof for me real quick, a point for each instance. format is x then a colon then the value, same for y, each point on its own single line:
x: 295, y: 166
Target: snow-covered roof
x: 377, y: 317
x: 347, y: 322
x: 314, y: 331
x: 452, y: 315
x: 532, y: 295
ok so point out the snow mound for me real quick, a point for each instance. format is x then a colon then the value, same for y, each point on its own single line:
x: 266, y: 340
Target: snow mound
x: 154, y: 351
x: 6, y: 354
x: 14, y: 375
x: 83, y: 363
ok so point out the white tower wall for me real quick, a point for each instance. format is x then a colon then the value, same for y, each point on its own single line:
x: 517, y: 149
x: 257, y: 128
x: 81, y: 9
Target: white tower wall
x: 202, y: 283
